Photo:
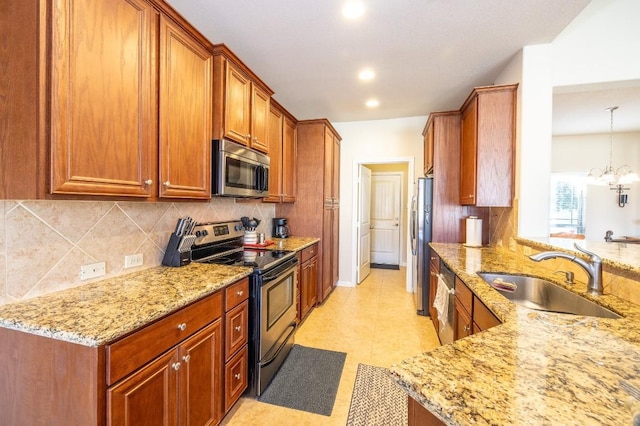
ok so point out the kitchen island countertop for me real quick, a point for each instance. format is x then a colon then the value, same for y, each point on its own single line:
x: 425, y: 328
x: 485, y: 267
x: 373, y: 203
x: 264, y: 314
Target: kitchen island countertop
x: 536, y: 367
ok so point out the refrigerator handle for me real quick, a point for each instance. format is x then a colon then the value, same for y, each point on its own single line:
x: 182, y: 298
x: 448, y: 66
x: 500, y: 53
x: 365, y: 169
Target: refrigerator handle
x: 414, y: 219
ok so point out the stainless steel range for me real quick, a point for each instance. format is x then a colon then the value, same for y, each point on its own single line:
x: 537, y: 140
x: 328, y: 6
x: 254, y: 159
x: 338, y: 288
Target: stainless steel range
x: 272, y: 298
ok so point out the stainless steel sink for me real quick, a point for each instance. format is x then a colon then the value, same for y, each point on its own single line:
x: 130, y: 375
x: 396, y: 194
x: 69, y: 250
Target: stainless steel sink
x: 543, y: 295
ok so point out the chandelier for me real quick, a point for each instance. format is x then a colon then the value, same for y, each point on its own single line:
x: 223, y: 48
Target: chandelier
x: 616, y: 178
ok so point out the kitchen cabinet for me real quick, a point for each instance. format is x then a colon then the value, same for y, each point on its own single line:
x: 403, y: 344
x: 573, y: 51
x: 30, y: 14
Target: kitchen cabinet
x: 471, y: 315
x: 99, y: 125
x: 282, y: 153
x: 241, y: 102
x: 488, y: 146
x: 236, y: 341
x: 316, y: 210
x: 420, y: 416
x: 188, y: 367
x: 186, y: 69
x: 434, y: 271
x: 308, y: 294
x: 428, y: 142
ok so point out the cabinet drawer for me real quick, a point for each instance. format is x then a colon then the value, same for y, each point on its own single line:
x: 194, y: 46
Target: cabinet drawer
x: 482, y: 316
x: 133, y: 351
x: 236, y: 293
x: 464, y: 295
x: 309, y: 252
x: 236, y: 329
x: 235, y: 378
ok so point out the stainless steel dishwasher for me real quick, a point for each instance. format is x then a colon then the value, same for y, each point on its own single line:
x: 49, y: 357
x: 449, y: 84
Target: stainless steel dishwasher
x: 445, y: 331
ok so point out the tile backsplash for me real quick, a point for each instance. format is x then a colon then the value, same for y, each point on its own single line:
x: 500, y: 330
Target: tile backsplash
x: 43, y: 244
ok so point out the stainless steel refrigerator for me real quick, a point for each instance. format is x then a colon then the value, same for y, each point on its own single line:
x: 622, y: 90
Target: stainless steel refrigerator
x: 420, y: 238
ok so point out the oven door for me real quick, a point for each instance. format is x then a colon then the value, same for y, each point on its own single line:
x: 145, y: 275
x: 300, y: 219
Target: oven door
x: 240, y: 171
x: 277, y: 326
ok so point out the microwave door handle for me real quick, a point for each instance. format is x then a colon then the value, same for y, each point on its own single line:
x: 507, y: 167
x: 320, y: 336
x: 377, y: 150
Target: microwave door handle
x: 261, y: 181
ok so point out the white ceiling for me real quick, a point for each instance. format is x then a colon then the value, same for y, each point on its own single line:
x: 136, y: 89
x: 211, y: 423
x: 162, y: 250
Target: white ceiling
x: 427, y: 54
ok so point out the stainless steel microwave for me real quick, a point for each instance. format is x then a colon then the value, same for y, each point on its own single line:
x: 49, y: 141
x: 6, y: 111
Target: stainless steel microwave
x: 239, y: 171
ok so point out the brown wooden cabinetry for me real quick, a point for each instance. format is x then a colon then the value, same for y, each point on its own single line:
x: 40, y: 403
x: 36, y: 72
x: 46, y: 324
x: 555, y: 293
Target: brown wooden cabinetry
x: 488, y: 146
x: 241, y: 102
x: 471, y: 315
x: 89, y: 120
x: 420, y: 416
x: 308, y: 293
x: 236, y: 341
x: 316, y: 210
x: 282, y: 153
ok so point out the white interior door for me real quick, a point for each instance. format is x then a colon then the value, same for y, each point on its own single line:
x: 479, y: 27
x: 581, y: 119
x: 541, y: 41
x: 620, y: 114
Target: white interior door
x: 386, y: 190
x: 364, y: 223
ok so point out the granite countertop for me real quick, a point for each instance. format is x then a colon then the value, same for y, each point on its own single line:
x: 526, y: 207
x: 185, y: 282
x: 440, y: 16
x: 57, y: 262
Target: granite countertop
x: 535, y: 368
x: 292, y: 243
x: 102, y: 311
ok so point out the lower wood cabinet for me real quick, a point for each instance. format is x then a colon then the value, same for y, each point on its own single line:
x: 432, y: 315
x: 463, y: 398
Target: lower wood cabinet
x: 434, y: 271
x: 471, y: 315
x: 420, y: 416
x: 308, y: 295
x: 236, y: 370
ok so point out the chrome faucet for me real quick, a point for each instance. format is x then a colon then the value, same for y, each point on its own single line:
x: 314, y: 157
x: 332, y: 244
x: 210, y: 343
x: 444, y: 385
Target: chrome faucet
x: 593, y: 267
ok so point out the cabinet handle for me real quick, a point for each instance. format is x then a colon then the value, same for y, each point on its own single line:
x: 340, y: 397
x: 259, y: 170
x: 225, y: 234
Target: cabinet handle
x: 237, y: 376
x: 167, y: 183
x: 186, y: 358
x: 175, y: 366
x: 240, y: 292
x: 238, y: 328
x: 248, y: 136
x: 466, y: 328
x: 182, y: 326
x: 148, y: 182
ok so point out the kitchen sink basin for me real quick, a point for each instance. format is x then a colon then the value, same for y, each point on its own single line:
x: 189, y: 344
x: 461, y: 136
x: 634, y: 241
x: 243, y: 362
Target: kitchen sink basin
x: 543, y: 295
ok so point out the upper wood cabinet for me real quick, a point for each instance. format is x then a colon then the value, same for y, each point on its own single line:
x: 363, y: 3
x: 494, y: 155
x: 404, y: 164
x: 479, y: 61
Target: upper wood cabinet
x: 488, y: 146
x: 186, y: 71
x: 103, y: 97
x: 241, y: 102
x: 281, y: 138
x: 115, y: 97
x: 427, y: 135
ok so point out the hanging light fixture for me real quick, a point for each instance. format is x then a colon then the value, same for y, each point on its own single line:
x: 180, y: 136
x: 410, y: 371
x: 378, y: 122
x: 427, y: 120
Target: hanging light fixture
x: 609, y: 175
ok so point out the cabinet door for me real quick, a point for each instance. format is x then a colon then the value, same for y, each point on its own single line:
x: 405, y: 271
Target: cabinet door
x: 103, y: 79
x: 260, y: 102
x: 236, y: 380
x: 328, y: 167
x: 201, y: 379
x: 289, y: 161
x: 462, y: 323
x: 428, y: 150
x: 148, y: 396
x: 236, y: 329
x: 468, y: 153
x: 237, y: 108
x: 185, y: 114
x: 312, y: 276
x: 324, y: 286
x: 335, y: 172
x: 275, y: 154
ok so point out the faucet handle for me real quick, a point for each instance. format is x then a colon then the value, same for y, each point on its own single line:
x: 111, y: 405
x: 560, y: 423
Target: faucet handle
x: 594, y: 257
x: 568, y: 276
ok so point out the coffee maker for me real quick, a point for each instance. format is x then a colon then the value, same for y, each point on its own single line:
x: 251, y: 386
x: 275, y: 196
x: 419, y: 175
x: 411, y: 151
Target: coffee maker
x: 280, y: 228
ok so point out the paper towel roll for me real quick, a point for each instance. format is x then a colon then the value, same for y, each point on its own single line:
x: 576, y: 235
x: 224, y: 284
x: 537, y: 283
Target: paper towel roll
x: 474, y: 232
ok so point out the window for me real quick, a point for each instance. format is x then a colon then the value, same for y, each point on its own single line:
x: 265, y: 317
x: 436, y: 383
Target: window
x: 567, y: 206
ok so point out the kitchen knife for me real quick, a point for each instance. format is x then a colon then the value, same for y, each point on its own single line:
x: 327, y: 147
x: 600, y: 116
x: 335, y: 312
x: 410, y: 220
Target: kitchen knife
x: 180, y: 227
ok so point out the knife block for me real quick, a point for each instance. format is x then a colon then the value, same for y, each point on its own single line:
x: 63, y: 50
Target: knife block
x: 173, y: 256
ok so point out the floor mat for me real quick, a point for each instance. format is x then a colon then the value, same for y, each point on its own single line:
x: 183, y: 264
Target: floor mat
x: 308, y: 380
x: 377, y: 399
x: 385, y: 266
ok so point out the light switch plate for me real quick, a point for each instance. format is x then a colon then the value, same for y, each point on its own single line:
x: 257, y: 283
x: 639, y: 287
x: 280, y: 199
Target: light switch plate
x: 92, y: 270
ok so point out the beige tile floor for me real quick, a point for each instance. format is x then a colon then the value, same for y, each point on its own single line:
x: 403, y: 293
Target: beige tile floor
x: 374, y: 323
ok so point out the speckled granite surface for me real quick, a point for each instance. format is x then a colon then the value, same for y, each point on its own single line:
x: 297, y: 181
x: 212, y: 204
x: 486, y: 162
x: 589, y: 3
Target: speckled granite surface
x: 292, y: 243
x: 100, y: 312
x: 536, y: 368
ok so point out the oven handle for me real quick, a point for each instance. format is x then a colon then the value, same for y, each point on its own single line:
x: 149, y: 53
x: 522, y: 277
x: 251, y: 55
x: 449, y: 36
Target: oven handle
x: 279, y: 272
x: 269, y: 360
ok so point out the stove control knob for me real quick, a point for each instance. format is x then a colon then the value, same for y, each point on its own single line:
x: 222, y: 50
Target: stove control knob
x: 198, y: 234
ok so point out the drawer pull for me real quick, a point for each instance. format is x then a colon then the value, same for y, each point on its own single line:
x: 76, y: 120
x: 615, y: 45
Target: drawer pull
x: 186, y: 358
x: 240, y: 292
x: 466, y: 328
x: 175, y: 366
x: 237, y: 376
x: 238, y: 328
x: 182, y: 326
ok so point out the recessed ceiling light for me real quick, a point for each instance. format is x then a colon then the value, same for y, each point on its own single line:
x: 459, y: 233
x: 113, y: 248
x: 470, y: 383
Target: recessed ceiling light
x: 366, y: 74
x: 372, y: 103
x: 353, y: 9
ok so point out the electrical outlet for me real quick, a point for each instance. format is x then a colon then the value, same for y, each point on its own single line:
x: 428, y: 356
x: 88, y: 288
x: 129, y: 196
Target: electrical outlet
x: 92, y: 270
x: 512, y: 245
x: 526, y: 250
x: 133, y: 260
